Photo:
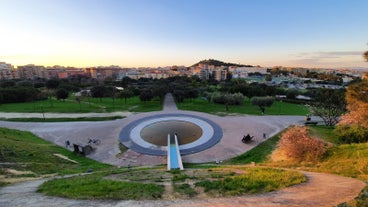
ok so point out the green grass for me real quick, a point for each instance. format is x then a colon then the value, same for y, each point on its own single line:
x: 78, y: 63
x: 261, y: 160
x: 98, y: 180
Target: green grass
x: 255, y: 180
x: 350, y: 160
x: 93, y: 105
x: 64, y: 119
x: 257, y: 154
x: 94, y: 187
x: 324, y: 132
x: 185, y: 189
x: 278, y: 108
x: 138, y: 183
x: 24, y: 151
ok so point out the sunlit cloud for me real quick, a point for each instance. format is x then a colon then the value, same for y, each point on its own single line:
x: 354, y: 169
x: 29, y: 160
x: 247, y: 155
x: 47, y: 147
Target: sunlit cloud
x: 328, y: 59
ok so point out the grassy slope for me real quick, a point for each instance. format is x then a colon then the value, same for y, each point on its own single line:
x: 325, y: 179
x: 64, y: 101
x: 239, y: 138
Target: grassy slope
x: 24, y: 151
x: 348, y: 159
x: 258, y: 154
x: 247, y: 108
x: 93, y: 105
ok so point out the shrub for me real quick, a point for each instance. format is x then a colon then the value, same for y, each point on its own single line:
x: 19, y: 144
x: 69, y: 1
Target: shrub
x: 296, y: 144
x: 348, y: 134
x: 226, y: 98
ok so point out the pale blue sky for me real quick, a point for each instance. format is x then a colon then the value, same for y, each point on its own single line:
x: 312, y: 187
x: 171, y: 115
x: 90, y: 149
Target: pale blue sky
x: 133, y: 33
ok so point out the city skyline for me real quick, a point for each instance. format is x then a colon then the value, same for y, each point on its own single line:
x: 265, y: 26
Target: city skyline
x: 145, y: 33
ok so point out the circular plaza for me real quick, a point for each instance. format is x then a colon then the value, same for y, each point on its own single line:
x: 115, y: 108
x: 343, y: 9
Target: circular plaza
x: 149, y: 135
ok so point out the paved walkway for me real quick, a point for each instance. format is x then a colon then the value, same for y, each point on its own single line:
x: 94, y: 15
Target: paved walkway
x: 169, y: 103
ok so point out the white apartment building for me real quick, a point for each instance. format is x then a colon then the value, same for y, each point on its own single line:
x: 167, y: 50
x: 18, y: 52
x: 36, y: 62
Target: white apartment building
x: 242, y: 72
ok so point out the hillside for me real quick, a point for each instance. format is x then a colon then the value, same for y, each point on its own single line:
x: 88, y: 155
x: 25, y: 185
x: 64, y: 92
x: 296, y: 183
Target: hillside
x: 219, y: 63
x: 24, y: 155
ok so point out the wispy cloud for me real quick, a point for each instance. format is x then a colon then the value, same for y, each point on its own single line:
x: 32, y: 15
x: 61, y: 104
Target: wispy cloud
x: 328, y: 58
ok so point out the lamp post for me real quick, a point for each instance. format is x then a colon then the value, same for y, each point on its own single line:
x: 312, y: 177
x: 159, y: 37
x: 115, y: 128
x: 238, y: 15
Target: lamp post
x: 43, y: 112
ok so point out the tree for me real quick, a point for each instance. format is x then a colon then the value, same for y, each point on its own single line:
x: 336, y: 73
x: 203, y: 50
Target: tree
x: 262, y: 102
x: 268, y: 77
x: 329, y: 104
x: 365, y: 55
x: 86, y: 93
x: 79, y: 100
x: 62, y: 94
x: 1, y: 98
x: 51, y: 84
x: 126, y: 93
x: 179, y: 95
x: 353, y: 126
x: 7, y: 83
x: 357, y: 105
x: 25, y: 83
x: 98, y: 92
x: 146, y: 95
x: 291, y: 93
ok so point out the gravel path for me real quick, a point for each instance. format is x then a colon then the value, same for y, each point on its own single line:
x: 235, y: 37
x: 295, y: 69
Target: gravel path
x: 320, y: 190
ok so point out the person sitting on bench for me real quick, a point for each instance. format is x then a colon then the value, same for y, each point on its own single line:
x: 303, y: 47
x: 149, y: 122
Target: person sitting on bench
x: 247, y: 138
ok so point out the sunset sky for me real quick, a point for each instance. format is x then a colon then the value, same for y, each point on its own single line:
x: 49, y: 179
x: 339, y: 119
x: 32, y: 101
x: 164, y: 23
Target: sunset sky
x: 135, y: 33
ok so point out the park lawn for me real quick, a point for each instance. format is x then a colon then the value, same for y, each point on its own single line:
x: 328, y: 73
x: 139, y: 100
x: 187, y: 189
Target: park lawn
x: 70, y: 105
x: 132, y: 104
x: 49, y: 106
x: 63, y: 119
x: 278, y: 108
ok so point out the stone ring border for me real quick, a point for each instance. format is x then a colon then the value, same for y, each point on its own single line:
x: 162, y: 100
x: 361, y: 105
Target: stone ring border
x: 130, y: 134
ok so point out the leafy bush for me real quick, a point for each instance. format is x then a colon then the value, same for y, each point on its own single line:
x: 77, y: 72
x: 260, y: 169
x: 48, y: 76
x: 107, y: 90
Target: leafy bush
x: 351, y: 134
x: 296, y: 144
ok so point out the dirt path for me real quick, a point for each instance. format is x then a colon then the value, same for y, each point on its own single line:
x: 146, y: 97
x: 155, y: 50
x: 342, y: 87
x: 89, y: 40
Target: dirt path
x: 320, y: 190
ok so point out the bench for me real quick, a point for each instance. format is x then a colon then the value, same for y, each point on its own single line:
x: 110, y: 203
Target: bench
x: 314, y: 123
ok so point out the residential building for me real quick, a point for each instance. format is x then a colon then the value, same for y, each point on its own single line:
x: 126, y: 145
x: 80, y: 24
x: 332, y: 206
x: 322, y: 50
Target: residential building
x: 7, y: 71
x: 32, y: 72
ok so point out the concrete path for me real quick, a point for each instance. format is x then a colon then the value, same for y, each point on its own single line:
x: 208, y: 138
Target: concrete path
x: 322, y: 190
x: 169, y: 103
